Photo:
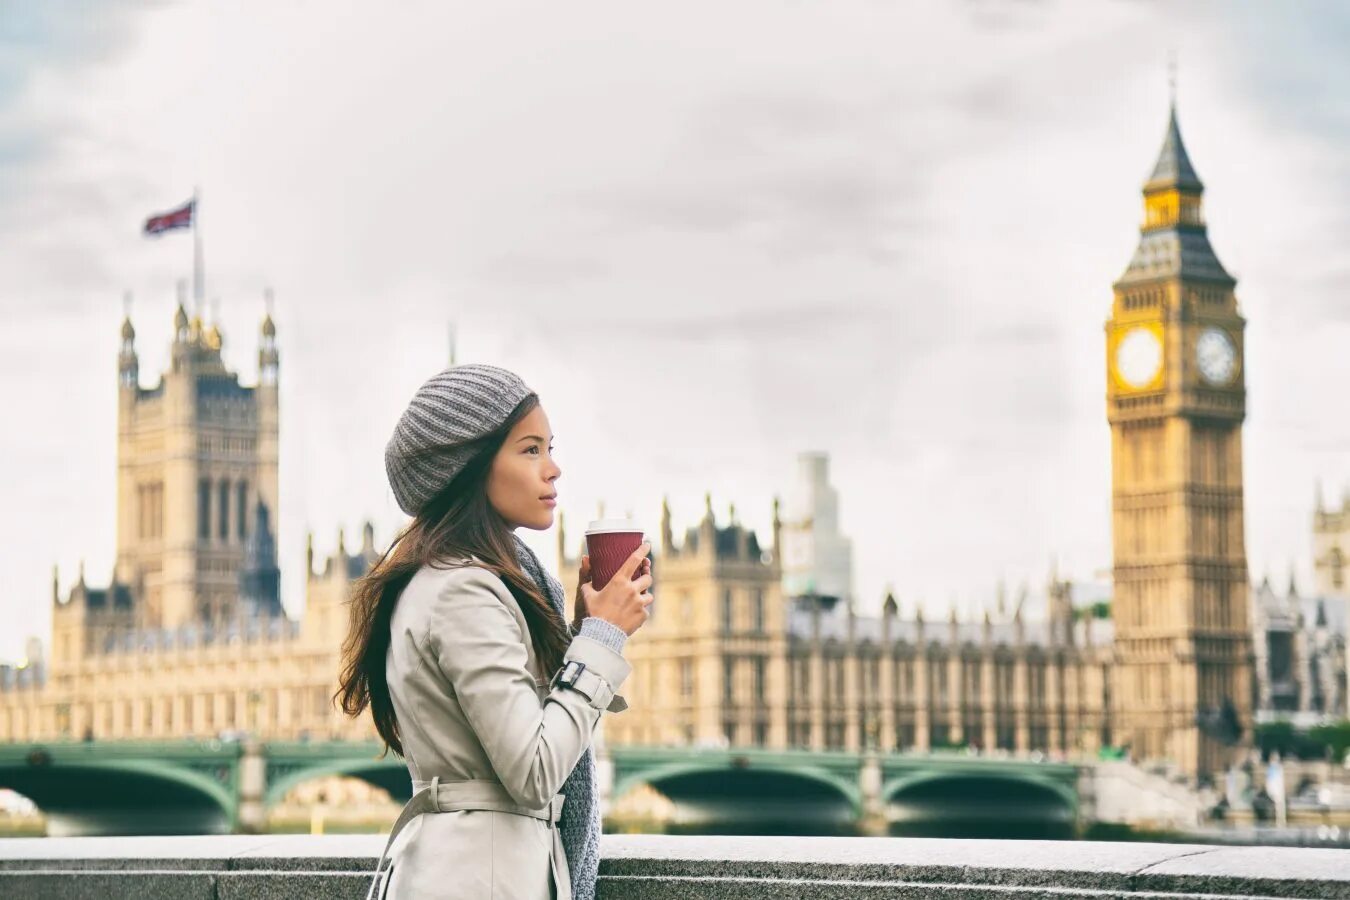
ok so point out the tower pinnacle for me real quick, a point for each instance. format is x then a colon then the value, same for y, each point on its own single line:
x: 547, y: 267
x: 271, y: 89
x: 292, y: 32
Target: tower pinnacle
x: 1173, y: 241
x: 1173, y: 168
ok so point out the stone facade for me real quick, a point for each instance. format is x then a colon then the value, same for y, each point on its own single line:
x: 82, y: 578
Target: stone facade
x: 1331, y: 548
x: 1300, y: 654
x: 728, y: 658
x: 272, y: 676
x: 196, y: 483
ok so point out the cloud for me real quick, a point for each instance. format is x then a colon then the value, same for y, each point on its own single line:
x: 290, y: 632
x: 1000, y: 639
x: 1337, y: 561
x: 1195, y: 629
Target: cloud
x: 1000, y: 16
x: 884, y: 231
x: 540, y: 269
x: 794, y: 174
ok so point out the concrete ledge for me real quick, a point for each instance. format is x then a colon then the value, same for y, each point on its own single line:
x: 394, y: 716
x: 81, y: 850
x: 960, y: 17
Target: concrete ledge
x: 656, y: 867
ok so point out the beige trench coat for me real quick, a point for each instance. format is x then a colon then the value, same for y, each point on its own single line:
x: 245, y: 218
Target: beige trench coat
x: 473, y: 705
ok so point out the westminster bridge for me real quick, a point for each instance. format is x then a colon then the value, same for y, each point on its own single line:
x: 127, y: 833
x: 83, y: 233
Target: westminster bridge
x: 216, y: 787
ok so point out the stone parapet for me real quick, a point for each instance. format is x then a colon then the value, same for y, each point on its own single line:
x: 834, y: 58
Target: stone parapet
x: 637, y: 867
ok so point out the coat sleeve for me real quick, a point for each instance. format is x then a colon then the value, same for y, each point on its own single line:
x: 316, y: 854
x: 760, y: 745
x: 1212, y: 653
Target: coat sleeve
x: 480, y: 648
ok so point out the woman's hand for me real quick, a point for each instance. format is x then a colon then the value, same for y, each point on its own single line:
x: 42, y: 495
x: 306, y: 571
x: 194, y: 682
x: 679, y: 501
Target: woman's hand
x: 624, y: 600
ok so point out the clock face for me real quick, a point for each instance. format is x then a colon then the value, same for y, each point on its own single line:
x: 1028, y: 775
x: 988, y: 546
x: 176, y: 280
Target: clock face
x: 1216, y: 356
x: 1139, y: 357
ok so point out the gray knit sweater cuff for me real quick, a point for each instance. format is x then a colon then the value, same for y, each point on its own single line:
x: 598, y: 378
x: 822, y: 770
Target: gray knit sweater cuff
x: 607, y: 633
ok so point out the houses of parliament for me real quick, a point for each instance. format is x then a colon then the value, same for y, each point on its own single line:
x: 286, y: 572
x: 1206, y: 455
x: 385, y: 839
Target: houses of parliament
x: 749, y: 644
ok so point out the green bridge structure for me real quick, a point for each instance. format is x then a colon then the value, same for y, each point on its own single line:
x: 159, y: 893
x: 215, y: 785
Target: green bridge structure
x: 217, y: 787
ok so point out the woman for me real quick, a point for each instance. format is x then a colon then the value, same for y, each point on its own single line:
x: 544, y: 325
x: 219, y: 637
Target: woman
x: 457, y: 644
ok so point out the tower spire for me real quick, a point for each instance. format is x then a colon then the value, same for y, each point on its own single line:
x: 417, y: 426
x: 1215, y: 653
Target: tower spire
x: 667, y: 533
x: 268, y: 357
x: 1173, y: 170
x: 180, y: 318
x: 214, y: 339
x: 127, y: 363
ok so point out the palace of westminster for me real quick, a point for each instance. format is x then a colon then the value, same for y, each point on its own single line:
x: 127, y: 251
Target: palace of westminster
x: 748, y: 645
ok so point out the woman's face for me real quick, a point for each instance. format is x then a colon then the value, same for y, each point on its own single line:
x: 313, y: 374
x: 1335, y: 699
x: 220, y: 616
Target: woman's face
x: 520, y: 482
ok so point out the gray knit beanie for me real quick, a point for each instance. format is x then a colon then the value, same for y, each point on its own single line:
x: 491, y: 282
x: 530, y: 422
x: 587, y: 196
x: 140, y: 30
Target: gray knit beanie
x: 451, y: 409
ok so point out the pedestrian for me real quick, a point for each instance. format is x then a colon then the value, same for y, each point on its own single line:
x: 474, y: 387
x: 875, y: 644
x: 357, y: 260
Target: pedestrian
x: 457, y: 645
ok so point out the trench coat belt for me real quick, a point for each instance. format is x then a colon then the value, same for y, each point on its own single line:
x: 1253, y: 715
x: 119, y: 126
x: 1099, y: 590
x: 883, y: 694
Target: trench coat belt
x: 438, y: 796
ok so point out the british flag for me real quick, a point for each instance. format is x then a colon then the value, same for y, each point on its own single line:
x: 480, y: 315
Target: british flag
x: 176, y: 218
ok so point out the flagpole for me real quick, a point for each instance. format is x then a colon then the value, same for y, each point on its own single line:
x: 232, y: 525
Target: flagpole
x: 198, y: 270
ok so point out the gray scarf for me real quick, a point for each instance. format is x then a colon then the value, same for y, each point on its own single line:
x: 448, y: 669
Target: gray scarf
x: 580, y: 822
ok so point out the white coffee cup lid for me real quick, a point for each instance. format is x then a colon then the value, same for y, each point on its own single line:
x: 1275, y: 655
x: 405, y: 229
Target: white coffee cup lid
x: 601, y: 526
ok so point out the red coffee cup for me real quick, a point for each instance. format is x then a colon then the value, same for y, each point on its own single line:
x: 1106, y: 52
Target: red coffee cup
x: 609, y: 542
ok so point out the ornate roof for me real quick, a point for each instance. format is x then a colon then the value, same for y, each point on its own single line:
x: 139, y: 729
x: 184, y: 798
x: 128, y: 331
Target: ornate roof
x: 1175, y: 251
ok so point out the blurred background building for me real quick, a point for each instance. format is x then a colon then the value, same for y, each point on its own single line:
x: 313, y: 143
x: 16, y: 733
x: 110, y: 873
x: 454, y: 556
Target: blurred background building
x: 188, y: 637
x: 750, y: 643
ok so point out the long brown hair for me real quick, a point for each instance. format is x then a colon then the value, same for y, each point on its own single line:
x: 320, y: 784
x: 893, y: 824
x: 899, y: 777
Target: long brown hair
x: 457, y: 522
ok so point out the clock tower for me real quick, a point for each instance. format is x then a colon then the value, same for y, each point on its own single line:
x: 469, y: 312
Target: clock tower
x: 1175, y: 400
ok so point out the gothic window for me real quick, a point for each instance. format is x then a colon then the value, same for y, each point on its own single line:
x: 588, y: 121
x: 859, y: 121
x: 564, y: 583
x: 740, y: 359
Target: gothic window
x: 157, y: 509
x: 203, y: 509
x: 686, y: 678
x: 241, y: 511
x: 1005, y: 736
x: 223, y: 510
x: 757, y: 689
x: 937, y: 681
x: 1036, y: 686
x: 970, y: 680
x: 728, y: 679
x: 757, y: 610
x: 726, y: 610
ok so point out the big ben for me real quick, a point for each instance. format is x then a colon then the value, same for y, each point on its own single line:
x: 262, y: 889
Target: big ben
x: 1176, y: 399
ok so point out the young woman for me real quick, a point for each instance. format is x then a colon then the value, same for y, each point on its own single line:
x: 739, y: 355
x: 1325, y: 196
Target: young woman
x: 457, y: 645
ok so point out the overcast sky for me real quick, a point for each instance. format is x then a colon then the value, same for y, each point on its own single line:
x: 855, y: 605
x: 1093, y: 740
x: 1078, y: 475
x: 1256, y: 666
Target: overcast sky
x: 709, y: 235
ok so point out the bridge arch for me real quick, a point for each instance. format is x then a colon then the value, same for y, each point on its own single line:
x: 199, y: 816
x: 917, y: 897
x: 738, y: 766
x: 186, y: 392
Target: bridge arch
x: 91, y: 790
x: 910, y: 780
x: 280, y: 786
x: 652, y: 776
